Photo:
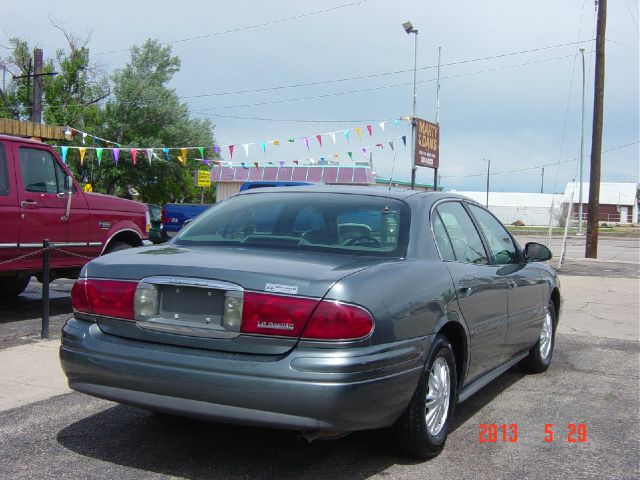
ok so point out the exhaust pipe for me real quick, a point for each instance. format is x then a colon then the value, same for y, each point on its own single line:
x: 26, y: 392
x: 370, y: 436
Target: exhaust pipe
x: 307, y: 436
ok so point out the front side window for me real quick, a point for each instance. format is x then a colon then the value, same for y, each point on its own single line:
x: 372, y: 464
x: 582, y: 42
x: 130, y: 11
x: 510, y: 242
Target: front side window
x: 4, y: 173
x: 40, y: 171
x: 338, y: 223
x: 503, y: 251
x: 465, y: 240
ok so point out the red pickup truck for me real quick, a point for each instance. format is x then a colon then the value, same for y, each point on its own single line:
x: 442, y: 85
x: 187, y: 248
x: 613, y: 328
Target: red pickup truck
x: 40, y: 200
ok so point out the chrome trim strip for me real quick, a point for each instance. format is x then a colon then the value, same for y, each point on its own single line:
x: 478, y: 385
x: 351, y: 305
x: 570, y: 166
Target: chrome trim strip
x: 186, y: 330
x: 116, y: 233
x: 94, y: 244
x: 193, y: 282
x: 8, y: 245
x: 53, y: 244
x: 31, y: 245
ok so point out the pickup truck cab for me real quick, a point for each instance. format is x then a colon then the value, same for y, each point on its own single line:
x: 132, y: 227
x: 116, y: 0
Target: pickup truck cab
x: 40, y: 200
x: 176, y: 215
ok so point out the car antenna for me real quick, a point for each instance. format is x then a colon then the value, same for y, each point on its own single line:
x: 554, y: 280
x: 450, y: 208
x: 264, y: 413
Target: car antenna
x: 393, y: 165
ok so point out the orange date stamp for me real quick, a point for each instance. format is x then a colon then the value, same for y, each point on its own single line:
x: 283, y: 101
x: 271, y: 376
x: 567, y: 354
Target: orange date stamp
x: 508, y: 433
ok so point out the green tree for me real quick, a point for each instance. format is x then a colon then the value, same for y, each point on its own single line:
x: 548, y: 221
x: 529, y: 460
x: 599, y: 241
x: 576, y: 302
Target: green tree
x: 144, y: 112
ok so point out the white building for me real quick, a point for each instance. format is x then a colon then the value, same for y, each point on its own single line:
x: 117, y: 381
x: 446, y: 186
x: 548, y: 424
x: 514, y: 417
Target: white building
x: 618, y: 201
x: 530, y: 208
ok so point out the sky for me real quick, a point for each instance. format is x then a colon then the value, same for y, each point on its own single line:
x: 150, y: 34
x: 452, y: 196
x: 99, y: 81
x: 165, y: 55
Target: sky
x: 510, y: 88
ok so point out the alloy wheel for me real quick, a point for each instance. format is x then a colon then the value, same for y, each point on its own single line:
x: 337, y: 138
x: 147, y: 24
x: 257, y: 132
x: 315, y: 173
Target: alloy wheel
x: 438, y: 396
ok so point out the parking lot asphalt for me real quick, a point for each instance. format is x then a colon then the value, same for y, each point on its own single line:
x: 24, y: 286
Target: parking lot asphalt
x: 593, y: 381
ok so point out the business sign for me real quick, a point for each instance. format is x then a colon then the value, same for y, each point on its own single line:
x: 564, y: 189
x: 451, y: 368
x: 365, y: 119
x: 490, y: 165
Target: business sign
x: 427, y: 144
x: 203, y: 178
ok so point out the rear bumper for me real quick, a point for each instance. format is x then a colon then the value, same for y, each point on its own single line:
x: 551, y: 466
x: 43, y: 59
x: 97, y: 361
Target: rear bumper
x: 328, y: 389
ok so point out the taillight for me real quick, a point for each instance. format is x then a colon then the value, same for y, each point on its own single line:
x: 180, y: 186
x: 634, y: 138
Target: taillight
x: 266, y: 314
x: 338, y: 321
x: 162, y: 216
x: 108, y: 298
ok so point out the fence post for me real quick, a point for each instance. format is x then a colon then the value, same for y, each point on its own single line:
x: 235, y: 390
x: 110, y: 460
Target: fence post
x: 44, y: 333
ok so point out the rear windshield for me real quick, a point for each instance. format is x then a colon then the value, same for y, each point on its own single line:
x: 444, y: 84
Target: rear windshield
x: 332, y: 222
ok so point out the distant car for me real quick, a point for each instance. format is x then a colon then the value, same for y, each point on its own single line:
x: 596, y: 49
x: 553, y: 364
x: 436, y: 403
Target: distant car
x: 176, y: 215
x: 156, y: 234
x: 319, y: 309
x: 265, y: 184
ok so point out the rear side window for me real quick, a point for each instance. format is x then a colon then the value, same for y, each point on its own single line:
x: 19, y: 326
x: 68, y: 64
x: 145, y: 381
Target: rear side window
x: 465, y: 239
x: 40, y: 171
x: 442, y: 239
x: 4, y: 174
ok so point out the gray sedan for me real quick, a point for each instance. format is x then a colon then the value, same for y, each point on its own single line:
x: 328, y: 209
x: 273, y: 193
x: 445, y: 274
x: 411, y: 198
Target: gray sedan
x: 318, y: 309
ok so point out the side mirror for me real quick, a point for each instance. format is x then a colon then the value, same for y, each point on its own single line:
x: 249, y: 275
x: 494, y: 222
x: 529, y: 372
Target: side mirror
x: 536, y: 252
x: 68, y: 186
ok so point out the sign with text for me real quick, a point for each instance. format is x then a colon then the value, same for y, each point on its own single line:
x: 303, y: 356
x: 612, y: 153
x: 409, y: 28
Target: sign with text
x: 427, y: 144
x: 203, y: 178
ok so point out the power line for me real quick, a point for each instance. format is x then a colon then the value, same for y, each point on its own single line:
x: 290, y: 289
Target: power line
x: 371, y: 89
x: 536, y: 167
x: 247, y: 27
x: 295, y: 120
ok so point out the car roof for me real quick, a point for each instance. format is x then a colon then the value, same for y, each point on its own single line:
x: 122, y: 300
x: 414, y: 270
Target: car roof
x: 13, y: 138
x: 378, y: 191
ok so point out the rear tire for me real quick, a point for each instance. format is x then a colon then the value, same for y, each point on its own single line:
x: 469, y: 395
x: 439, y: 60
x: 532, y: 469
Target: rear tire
x: 117, y: 246
x: 422, y: 430
x: 540, y: 355
x: 12, y: 287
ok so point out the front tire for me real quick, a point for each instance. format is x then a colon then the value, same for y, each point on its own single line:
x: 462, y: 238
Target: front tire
x: 539, y: 357
x: 12, y: 287
x: 422, y: 430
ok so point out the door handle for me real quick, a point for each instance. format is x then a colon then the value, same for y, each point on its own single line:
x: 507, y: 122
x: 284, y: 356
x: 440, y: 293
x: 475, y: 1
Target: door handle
x: 28, y: 203
x: 465, y: 289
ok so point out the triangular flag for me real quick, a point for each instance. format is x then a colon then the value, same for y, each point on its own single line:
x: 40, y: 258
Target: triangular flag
x: 134, y: 154
x: 321, y: 159
x: 319, y: 138
x: 363, y: 151
x: 82, y: 150
x: 149, y: 154
x: 276, y: 142
x: 84, y: 135
x: 346, y: 134
x: 165, y: 153
x: 281, y: 163
x: 359, y: 132
x: 350, y: 155
x: 64, y: 151
x: 391, y: 145
x: 333, y: 137
x: 246, y: 149
x: 201, y: 150
x: 306, y: 142
x: 116, y: 154
x: 99, y: 155
x: 292, y: 140
x: 244, y: 166
x: 270, y: 163
x: 184, y: 155
x: 396, y: 121
x: 295, y: 162
x: 263, y: 146
x: 370, y: 130
x: 336, y: 155
x: 216, y: 148
x: 381, y: 124
x: 231, y: 151
x: 256, y: 164
x: 404, y: 140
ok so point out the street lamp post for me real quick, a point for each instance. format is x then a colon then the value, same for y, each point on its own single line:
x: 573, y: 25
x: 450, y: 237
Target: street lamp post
x: 581, y: 151
x: 488, y: 160
x: 408, y: 28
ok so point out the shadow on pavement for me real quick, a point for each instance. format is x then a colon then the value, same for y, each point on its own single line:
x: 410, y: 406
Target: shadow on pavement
x: 187, y: 448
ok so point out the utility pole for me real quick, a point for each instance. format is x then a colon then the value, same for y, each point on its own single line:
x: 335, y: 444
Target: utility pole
x: 580, y: 201
x: 591, y: 250
x: 542, y: 185
x: 435, y: 170
x: 36, y: 102
x: 488, y: 160
x: 408, y: 28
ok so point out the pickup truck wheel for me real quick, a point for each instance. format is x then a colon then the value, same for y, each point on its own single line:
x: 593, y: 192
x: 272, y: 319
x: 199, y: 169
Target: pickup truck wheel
x: 117, y: 246
x: 12, y: 287
x: 540, y: 355
x: 422, y: 430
